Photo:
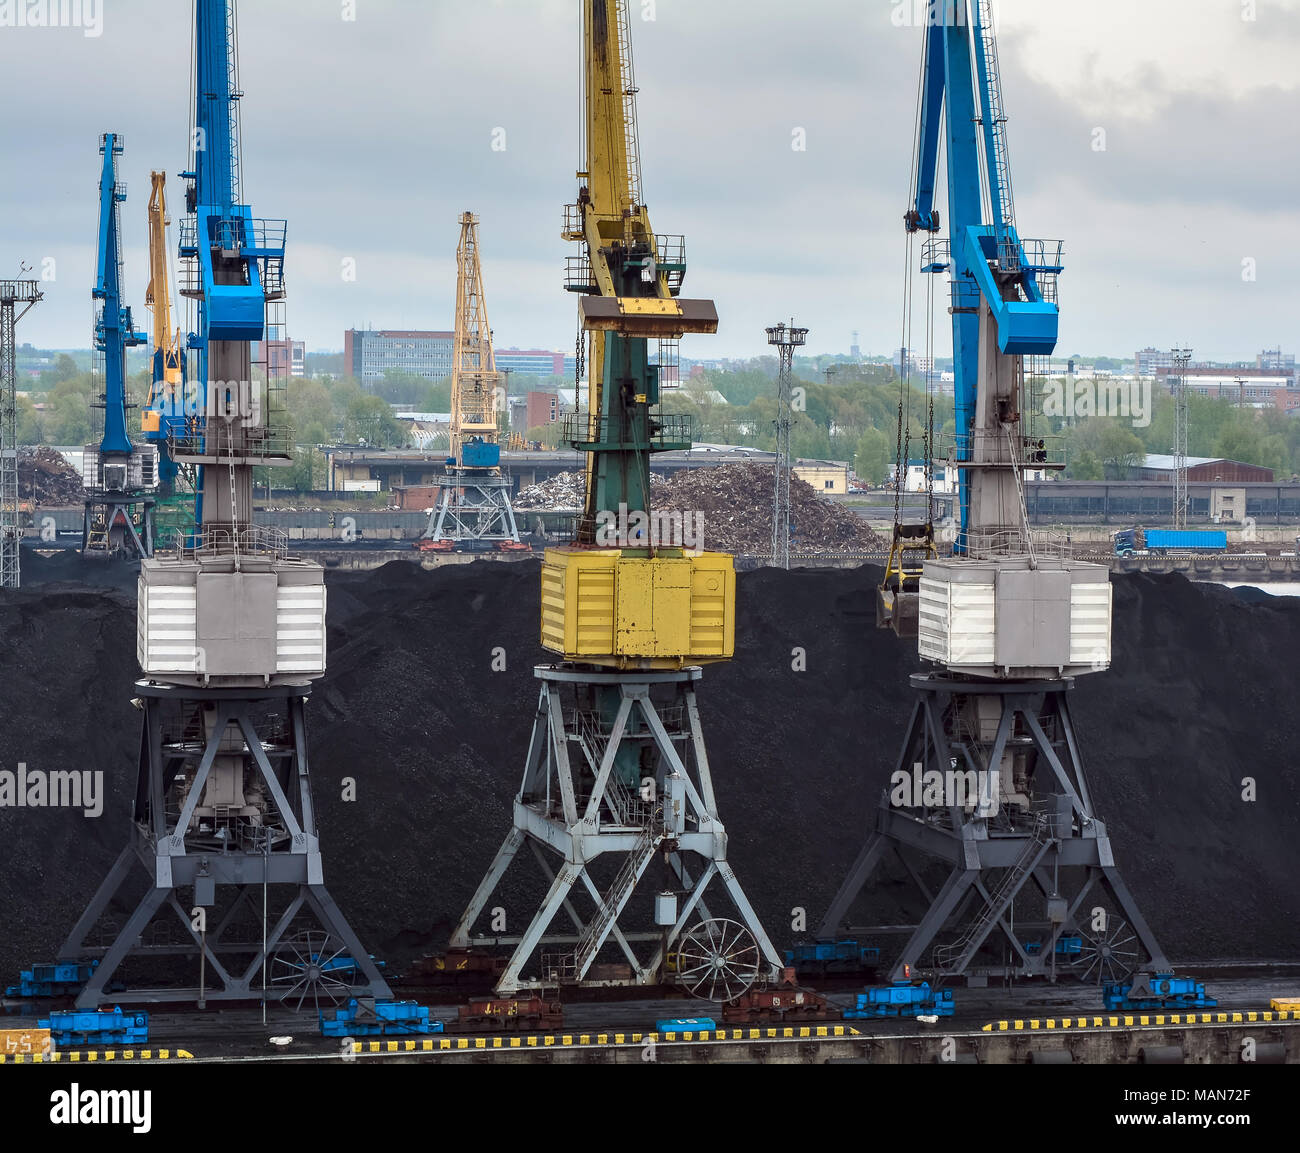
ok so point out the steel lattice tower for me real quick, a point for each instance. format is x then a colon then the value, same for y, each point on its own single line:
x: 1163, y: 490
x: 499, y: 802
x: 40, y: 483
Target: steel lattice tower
x: 1182, y: 357
x: 787, y: 339
x: 12, y: 293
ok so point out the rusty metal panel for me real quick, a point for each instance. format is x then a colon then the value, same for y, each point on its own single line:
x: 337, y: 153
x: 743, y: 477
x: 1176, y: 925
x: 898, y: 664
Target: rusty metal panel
x: 25, y: 1042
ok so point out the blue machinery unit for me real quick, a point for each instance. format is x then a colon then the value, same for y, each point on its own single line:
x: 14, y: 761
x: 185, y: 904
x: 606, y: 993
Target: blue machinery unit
x: 96, y: 1027
x: 371, y: 1018
x: 1157, y: 991
x: 119, y: 476
x: 832, y: 957
x: 57, y: 980
x: 686, y: 1025
x: 901, y: 999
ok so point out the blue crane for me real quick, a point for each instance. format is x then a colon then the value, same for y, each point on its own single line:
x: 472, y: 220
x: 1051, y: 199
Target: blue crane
x: 115, y: 331
x: 988, y: 262
x: 1012, y: 619
x: 234, y: 262
x: 118, y: 473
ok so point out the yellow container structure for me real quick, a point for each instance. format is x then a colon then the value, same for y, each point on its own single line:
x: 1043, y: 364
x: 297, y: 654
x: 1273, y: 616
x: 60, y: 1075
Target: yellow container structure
x: 1285, y: 1004
x: 622, y: 609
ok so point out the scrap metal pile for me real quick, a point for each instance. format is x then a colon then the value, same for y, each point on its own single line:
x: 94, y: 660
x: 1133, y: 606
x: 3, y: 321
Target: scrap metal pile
x: 735, y: 501
x: 563, y: 492
x: 46, y: 478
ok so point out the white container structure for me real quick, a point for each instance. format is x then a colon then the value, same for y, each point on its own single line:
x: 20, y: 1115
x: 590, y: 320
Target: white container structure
x: 1009, y: 617
x: 208, y: 622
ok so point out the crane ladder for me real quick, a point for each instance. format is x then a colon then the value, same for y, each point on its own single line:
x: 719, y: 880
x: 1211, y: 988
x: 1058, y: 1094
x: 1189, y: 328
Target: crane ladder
x: 955, y: 957
x: 593, y: 936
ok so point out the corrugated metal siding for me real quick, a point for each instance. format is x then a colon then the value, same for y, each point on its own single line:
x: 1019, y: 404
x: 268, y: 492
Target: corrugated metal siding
x: 167, y: 629
x: 300, y: 629
x: 1090, y: 615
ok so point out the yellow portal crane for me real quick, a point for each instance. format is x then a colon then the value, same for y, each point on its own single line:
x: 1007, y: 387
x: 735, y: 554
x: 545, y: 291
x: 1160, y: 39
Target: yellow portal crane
x: 627, y: 594
x: 168, y: 345
x: 473, y: 511
x: 474, y: 378
x: 616, y: 766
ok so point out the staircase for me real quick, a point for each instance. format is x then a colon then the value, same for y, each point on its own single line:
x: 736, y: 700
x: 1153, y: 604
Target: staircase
x: 593, y: 937
x: 629, y: 808
x: 951, y: 960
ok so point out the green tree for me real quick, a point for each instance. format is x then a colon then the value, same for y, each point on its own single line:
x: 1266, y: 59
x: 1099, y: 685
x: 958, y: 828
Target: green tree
x: 874, y: 456
x: 371, y: 420
x: 65, y: 368
x: 30, y: 426
x: 1086, y: 466
x: 1120, y: 450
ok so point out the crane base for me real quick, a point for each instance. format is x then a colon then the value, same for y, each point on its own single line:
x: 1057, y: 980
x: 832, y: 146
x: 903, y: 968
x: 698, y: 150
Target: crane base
x: 617, y: 800
x: 224, y: 839
x: 990, y: 789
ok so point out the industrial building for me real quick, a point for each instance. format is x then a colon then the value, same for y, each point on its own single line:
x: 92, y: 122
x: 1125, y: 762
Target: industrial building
x: 535, y: 362
x: 1202, y: 469
x: 372, y: 355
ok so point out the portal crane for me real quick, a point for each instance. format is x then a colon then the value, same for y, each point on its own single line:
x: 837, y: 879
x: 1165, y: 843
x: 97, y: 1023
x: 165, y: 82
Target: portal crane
x: 231, y: 636
x: 474, y: 510
x: 616, y: 767
x: 119, y: 476
x: 1000, y: 796
x: 165, y: 413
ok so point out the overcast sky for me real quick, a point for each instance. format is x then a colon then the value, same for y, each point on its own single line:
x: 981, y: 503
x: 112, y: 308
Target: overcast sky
x: 372, y: 135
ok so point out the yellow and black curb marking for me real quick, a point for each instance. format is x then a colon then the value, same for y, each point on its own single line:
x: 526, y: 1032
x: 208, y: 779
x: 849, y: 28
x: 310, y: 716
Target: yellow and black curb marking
x: 1131, y: 1019
x: 92, y: 1056
x: 600, y: 1040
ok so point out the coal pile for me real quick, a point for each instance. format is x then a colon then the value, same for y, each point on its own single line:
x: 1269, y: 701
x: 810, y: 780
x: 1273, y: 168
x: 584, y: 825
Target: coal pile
x: 1203, y: 695
x: 736, y: 503
x: 46, y: 478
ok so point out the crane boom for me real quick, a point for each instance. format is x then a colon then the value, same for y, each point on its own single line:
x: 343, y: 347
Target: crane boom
x: 992, y: 269
x: 165, y: 412
x: 167, y: 345
x: 629, y: 280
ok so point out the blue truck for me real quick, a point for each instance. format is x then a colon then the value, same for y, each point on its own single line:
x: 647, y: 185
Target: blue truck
x: 1162, y: 541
